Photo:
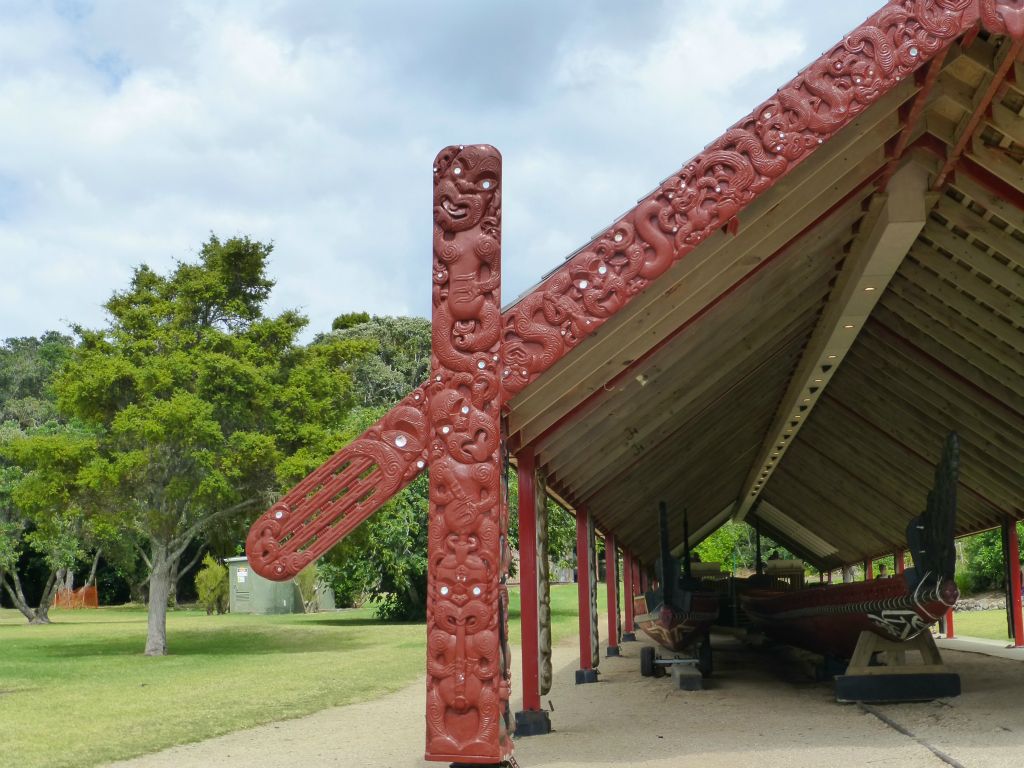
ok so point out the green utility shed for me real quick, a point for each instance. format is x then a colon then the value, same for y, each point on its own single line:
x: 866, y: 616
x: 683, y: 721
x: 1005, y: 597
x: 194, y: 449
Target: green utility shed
x: 251, y: 593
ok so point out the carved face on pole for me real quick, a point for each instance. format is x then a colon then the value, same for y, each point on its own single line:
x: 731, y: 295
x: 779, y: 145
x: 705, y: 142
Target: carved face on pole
x: 467, y: 188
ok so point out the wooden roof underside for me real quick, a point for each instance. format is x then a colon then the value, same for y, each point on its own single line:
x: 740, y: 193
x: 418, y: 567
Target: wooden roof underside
x: 678, y: 396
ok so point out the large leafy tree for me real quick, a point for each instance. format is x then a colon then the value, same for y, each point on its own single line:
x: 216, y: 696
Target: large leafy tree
x: 27, y: 366
x: 400, y: 359
x: 41, y: 496
x: 206, y: 405
x: 44, y: 501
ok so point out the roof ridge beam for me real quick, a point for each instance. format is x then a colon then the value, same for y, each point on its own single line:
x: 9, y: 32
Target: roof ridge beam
x: 892, y: 225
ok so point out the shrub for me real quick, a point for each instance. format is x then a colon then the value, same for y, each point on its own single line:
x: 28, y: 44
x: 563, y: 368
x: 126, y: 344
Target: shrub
x: 308, y: 583
x: 212, y: 586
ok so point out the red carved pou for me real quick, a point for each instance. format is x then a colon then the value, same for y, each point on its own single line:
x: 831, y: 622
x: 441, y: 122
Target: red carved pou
x: 467, y: 653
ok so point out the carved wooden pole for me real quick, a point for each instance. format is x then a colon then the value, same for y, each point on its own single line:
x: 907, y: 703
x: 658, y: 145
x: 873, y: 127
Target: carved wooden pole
x: 584, y: 587
x: 611, y: 577
x: 467, y: 650
x: 898, y: 562
x: 545, y: 671
x: 531, y: 720
x: 628, y: 591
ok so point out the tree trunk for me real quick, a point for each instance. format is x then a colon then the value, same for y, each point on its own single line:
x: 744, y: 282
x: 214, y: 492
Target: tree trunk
x: 18, y: 596
x: 180, y: 573
x: 138, y: 591
x: 46, y: 600
x: 172, y: 594
x: 159, y: 591
x: 66, y: 579
x: 91, y: 581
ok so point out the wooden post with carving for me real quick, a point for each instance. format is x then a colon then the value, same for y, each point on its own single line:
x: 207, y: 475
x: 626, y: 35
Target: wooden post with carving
x: 468, y: 679
x: 611, y: 577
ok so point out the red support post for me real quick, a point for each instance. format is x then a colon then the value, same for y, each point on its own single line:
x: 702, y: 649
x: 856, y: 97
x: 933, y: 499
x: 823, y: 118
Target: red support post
x: 1013, y: 579
x: 586, y: 673
x: 628, y: 587
x: 897, y: 558
x: 531, y: 720
x: 468, y: 676
x: 530, y: 639
x: 611, y: 577
x: 950, y: 631
x: 869, y: 568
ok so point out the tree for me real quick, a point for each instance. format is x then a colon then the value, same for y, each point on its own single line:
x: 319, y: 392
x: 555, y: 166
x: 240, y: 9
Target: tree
x: 399, y: 360
x: 27, y: 367
x: 40, y: 458
x: 212, y: 586
x: 44, y: 496
x: 981, y: 565
x: 207, y: 407
x: 734, y: 545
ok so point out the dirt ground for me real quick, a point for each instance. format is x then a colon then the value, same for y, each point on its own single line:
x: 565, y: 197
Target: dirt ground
x: 759, y: 709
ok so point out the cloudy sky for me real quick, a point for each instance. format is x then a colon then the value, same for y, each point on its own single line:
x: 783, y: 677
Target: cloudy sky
x: 130, y: 130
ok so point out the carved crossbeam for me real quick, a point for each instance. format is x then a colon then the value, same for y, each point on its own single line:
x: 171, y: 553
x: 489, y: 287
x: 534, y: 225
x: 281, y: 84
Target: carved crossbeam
x: 707, y: 195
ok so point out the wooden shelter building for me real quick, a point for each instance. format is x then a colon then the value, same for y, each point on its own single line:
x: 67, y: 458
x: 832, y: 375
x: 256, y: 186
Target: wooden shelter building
x: 782, y: 332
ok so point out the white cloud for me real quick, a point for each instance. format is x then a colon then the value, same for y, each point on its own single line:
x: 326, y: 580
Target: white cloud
x: 130, y: 130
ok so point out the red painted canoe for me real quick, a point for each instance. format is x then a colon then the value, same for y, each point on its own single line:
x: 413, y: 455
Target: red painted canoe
x: 829, y: 619
x: 675, y: 629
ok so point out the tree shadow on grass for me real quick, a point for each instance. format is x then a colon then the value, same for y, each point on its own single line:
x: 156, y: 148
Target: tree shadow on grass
x: 222, y: 642
x: 355, y: 622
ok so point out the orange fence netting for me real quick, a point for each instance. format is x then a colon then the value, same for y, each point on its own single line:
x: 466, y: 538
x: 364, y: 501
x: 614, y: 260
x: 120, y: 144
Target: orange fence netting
x: 83, y: 597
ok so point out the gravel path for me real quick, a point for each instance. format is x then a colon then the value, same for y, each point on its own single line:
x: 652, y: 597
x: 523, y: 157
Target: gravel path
x: 757, y: 711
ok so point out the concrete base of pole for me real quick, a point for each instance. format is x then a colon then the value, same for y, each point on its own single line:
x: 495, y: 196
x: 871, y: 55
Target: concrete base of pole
x: 629, y: 637
x: 613, y: 650
x: 586, y: 676
x: 532, y: 722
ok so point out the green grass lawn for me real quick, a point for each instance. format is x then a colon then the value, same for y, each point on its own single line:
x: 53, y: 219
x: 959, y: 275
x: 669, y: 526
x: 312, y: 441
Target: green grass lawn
x: 79, y: 692
x: 987, y: 624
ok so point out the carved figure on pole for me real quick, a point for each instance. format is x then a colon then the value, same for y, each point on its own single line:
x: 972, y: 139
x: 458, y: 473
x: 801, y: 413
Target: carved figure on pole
x: 467, y: 652
x: 543, y: 585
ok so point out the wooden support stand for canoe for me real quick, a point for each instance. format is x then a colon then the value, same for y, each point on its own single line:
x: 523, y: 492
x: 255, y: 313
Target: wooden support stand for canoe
x: 894, y: 679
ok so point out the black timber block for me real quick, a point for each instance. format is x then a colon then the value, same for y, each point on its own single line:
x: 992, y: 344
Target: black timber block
x: 629, y: 637
x: 586, y: 676
x: 532, y: 722
x: 613, y: 650
x: 906, y: 687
